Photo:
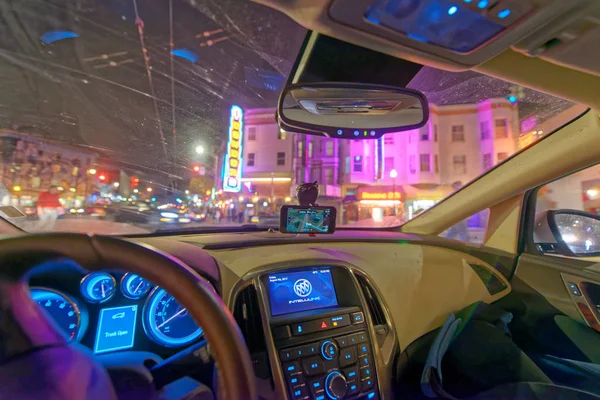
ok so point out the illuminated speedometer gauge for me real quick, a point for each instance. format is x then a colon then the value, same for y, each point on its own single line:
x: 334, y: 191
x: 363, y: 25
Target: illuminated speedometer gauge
x: 63, y: 310
x: 98, y: 287
x: 134, y: 286
x: 167, y: 322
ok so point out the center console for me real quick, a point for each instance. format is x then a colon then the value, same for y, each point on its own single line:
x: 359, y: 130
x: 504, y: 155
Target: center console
x: 323, y: 343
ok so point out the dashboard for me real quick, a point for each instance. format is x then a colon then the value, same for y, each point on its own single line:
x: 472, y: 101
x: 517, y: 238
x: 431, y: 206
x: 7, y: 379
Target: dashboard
x: 323, y: 317
x: 112, y: 311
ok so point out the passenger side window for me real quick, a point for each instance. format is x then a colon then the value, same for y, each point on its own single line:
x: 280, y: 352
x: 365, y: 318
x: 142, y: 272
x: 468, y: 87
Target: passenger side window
x: 579, y: 191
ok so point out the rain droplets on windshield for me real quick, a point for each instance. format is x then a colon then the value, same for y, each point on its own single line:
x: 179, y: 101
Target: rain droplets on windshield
x: 115, y: 118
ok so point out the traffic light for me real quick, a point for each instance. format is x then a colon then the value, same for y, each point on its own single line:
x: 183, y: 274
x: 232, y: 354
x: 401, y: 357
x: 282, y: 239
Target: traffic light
x: 516, y: 94
x: 196, y: 168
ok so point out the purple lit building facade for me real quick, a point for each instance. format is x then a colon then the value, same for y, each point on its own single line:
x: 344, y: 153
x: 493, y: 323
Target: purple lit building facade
x: 399, y: 174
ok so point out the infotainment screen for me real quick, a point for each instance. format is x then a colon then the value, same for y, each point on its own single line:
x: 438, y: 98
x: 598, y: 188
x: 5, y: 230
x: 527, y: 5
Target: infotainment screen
x: 291, y: 292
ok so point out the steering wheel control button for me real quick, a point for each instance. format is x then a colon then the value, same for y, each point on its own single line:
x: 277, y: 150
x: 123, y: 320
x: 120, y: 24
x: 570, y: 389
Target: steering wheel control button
x: 282, y: 332
x: 363, y: 349
x: 365, y: 361
x: 303, y: 328
x: 313, y: 366
x: 317, y: 386
x: 329, y: 350
x: 366, y: 373
x: 335, y: 385
x: 357, y: 318
x: 347, y: 357
x: 292, y: 368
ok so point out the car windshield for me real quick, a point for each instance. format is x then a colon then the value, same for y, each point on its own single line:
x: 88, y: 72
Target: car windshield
x: 116, y: 118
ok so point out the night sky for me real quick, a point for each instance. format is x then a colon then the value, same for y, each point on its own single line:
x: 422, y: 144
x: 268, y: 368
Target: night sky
x: 66, y: 91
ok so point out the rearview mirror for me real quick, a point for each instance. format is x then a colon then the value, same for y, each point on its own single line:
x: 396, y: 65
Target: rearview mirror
x: 351, y: 110
x: 568, y: 232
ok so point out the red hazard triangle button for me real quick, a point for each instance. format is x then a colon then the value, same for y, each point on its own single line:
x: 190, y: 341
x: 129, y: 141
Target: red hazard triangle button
x: 324, y: 325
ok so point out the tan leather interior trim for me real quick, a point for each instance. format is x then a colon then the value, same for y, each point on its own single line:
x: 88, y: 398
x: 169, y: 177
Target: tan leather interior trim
x: 503, y: 225
x: 544, y: 76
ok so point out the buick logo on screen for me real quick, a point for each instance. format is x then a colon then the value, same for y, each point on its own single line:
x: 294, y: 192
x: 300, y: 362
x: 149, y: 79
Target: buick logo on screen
x: 302, y: 287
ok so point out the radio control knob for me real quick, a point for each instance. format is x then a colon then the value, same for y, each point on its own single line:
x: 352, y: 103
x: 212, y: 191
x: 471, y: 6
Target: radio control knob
x: 335, y: 385
x: 329, y: 350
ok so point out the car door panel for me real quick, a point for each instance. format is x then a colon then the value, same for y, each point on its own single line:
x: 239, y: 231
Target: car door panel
x: 551, y: 319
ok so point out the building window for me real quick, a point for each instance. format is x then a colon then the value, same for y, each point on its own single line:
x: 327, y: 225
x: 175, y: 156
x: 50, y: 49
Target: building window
x: 458, y: 133
x: 436, y: 163
x: 329, y: 176
x: 310, y: 149
x: 425, y: 162
x: 487, y: 161
x: 411, y: 164
x: 347, y: 165
x: 435, y: 131
x: 300, y: 148
x: 388, y: 139
x: 502, y: 156
x: 281, y: 135
x: 358, y: 165
x: 388, y: 166
x: 424, y: 132
x: 315, y: 174
x: 250, y: 160
x: 501, y: 129
x: 252, y: 133
x: 460, y: 164
x: 281, y: 158
x: 329, y: 148
x: 484, y: 129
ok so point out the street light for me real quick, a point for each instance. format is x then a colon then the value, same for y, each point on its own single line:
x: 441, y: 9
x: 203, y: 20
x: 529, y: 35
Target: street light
x: 199, y: 149
x: 394, y: 175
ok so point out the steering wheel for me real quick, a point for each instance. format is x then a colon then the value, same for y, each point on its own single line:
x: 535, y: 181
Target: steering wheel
x: 36, y: 361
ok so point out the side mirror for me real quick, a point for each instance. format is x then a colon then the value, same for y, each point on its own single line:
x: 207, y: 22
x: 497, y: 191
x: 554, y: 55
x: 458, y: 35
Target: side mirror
x: 568, y: 232
x: 351, y: 110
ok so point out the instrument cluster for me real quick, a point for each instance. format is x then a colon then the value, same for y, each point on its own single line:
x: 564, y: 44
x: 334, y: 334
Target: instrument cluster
x: 114, y: 312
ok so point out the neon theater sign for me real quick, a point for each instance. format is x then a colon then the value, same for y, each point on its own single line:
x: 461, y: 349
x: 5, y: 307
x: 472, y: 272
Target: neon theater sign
x: 232, y: 168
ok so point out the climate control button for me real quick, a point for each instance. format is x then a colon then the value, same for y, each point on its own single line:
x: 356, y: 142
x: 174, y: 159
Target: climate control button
x: 329, y: 350
x: 335, y: 385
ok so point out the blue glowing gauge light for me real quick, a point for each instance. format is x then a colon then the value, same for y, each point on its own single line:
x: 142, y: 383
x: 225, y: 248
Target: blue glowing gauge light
x: 134, y: 286
x: 63, y: 310
x: 98, y: 287
x: 167, y: 322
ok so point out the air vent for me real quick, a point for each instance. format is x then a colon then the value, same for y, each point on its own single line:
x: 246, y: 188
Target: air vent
x: 246, y: 312
x: 373, y: 302
x: 493, y: 284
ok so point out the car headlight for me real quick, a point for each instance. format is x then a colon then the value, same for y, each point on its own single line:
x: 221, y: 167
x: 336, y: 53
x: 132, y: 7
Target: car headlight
x: 168, y: 215
x: 254, y: 219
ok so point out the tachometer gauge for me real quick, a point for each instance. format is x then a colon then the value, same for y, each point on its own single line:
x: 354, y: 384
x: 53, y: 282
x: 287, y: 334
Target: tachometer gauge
x: 63, y: 310
x: 167, y: 322
x: 134, y: 286
x: 98, y: 287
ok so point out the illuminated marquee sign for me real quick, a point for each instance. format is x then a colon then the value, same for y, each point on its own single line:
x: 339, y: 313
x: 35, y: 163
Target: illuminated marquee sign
x: 232, y: 168
x: 380, y: 196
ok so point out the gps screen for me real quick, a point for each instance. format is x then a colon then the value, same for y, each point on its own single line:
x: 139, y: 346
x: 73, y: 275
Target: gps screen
x: 308, y: 220
x: 291, y: 292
